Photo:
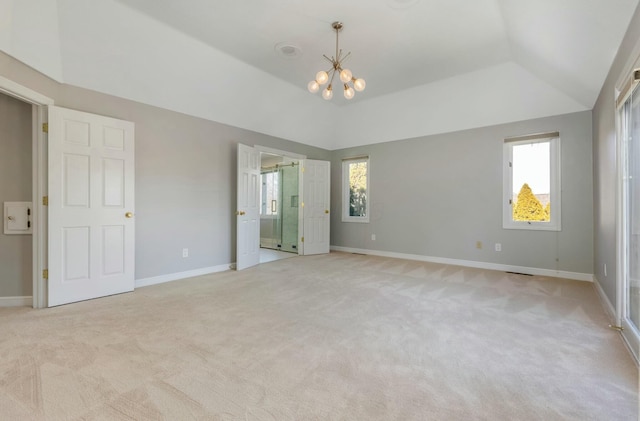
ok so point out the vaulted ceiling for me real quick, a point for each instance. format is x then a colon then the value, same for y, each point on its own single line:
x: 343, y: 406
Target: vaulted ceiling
x: 431, y: 66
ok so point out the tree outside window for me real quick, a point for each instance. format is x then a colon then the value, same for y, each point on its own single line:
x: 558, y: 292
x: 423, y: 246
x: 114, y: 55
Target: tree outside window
x: 355, y: 177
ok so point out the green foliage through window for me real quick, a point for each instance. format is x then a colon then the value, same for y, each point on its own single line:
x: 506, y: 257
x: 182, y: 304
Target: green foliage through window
x: 528, y: 207
x: 358, y: 189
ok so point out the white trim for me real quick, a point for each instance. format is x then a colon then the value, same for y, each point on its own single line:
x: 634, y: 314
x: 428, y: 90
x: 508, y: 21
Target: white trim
x: 346, y: 189
x: 23, y: 93
x: 15, y: 301
x: 587, y: 277
x: 279, y: 152
x: 161, y: 279
x: 555, y: 150
x: 39, y: 115
x: 620, y: 204
x: 39, y: 181
x: 606, y: 303
x: 611, y: 313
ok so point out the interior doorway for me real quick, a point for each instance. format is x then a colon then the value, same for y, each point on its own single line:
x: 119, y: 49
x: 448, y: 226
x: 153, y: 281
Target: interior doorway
x: 38, y: 103
x: 16, y: 197
x: 279, y: 204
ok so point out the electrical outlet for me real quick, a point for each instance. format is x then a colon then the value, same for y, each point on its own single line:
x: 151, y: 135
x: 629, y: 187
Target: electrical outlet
x: 373, y: 237
x: 498, y: 247
x: 185, y: 252
x: 478, y: 244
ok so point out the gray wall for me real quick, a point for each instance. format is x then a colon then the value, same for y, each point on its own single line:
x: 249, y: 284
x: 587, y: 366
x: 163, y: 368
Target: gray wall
x: 605, y: 168
x: 185, y: 175
x: 437, y: 195
x: 15, y: 186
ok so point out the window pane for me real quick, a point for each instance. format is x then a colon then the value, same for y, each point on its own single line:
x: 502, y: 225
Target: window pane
x: 358, y: 189
x: 531, y: 196
x: 269, y: 194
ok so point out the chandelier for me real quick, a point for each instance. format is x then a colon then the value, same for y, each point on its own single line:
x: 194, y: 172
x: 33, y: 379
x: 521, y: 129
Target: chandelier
x: 346, y: 77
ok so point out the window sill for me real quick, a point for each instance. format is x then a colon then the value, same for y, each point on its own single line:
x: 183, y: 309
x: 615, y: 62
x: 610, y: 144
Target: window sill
x: 532, y: 227
x: 357, y: 220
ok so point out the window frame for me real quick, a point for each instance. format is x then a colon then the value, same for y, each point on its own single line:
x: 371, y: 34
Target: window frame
x: 554, y: 224
x: 345, y: 190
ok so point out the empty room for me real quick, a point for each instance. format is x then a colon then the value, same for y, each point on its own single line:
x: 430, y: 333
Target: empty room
x: 278, y: 210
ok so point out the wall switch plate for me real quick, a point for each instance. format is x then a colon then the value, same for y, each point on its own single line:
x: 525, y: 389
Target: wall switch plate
x: 498, y: 247
x: 478, y: 244
x: 185, y: 252
x: 373, y: 237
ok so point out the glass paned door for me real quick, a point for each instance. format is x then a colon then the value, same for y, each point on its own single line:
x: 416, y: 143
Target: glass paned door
x: 630, y: 303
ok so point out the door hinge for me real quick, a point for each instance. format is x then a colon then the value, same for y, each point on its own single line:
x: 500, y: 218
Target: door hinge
x: 618, y: 328
x: 45, y: 127
x: 302, y: 205
x: 510, y: 165
x: 45, y: 274
x: 302, y: 169
x: 510, y: 202
x: 302, y: 240
x: 45, y: 200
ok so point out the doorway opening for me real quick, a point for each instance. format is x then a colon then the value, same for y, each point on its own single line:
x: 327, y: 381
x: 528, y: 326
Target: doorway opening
x: 279, y: 206
x: 38, y: 103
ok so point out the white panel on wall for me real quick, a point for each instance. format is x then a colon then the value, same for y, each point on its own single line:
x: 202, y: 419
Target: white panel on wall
x: 113, y: 179
x: 76, y: 180
x: 75, y: 253
x: 113, y: 247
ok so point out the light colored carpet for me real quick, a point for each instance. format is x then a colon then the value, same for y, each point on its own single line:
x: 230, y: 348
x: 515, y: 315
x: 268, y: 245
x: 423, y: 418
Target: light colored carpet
x: 333, y: 337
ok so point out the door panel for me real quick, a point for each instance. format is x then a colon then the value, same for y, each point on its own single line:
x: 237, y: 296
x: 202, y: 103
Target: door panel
x: 91, y: 190
x: 248, y: 210
x: 316, y: 198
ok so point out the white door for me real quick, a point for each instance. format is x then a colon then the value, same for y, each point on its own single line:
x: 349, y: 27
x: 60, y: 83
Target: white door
x: 91, y: 205
x: 248, y: 210
x: 315, y: 179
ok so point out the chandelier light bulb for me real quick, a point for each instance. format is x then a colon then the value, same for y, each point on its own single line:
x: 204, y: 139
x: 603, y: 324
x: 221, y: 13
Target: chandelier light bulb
x: 350, y: 83
x: 322, y: 77
x: 313, y: 87
x: 348, y: 91
x: 345, y: 75
x: 327, y: 93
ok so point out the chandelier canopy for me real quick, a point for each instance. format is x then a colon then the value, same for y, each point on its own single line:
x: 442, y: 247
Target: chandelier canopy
x: 349, y: 82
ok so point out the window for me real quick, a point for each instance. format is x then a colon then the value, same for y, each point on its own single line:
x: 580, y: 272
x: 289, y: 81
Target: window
x: 355, y: 189
x: 532, y: 182
x: 269, y: 194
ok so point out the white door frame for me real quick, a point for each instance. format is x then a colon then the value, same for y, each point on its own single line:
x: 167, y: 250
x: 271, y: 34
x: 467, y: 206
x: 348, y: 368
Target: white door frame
x: 38, y: 103
x: 299, y: 157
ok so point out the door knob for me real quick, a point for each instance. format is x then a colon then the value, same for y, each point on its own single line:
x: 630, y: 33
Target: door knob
x: 326, y: 211
x: 129, y: 215
x: 240, y: 213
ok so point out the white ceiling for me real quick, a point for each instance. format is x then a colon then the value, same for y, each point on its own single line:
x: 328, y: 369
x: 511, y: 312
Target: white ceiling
x: 431, y: 66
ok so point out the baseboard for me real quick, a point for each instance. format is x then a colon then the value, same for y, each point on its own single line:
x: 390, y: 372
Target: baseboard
x: 16, y: 301
x: 608, y: 307
x: 161, y: 279
x: 611, y: 313
x: 587, y: 277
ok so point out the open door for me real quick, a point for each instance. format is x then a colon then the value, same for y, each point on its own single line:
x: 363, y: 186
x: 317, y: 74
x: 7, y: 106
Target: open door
x: 315, y: 179
x: 248, y: 210
x: 91, y: 206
